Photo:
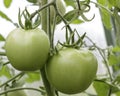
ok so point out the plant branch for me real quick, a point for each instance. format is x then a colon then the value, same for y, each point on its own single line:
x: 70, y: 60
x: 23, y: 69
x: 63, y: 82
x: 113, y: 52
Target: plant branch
x: 22, y: 88
x: 6, y: 63
x: 43, y: 7
x: 2, y: 54
x: 106, y: 64
x: 45, y: 27
x: 49, y: 90
x: 79, y: 7
x: 21, y: 73
x: 101, y: 6
x: 65, y: 22
x: 103, y: 57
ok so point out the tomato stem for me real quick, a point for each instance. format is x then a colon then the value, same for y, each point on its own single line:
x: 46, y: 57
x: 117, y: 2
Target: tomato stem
x: 21, y: 88
x: 42, y: 8
x: 21, y: 73
x: 46, y: 27
x: 65, y: 22
x: 2, y: 54
x: 50, y: 91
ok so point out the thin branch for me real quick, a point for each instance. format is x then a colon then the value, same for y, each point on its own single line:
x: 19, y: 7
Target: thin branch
x: 106, y: 64
x: 2, y: 54
x: 101, y: 6
x: 63, y: 19
x: 101, y: 53
x: 22, y: 88
x: 21, y: 73
x: 43, y: 7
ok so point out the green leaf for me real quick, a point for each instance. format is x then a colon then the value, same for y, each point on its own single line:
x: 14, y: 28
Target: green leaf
x: 74, y: 4
x: 114, y: 56
x: 117, y: 93
x: 4, y: 16
x: 116, y: 49
x: 101, y: 88
x: 117, y: 77
x: 117, y: 25
x: 70, y: 2
x: 32, y: 1
x: 7, y: 3
x: 114, y: 59
x: 77, y: 21
x: 2, y: 38
x: 105, y: 15
x: 115, y: 3
x: 103, y: 2
x: 73, y: 17
x: 5, y: 71
x: 106, y: 18
x: 32, y: 77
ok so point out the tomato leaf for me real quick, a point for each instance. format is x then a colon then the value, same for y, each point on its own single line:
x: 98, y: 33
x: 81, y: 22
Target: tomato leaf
x: 77, y: 21
x: 106, y: 19
x: 117, y: 25
x: 7, y: 3
x: 73, y: 2
x: 70, y: 2
x: 116, y: 49
x: 101, y: 88
x: 72, y: 17
x: 105, y: 15
x: 3, y: 15
x: 115, y: 3
x: 2, y: 38
x: 103, y: 2
x: 114, y: 59
x: 32, y: 1
x: 32, y: 77
x: 117, y: 77
x: 117, y: 93
x: 5, y: 71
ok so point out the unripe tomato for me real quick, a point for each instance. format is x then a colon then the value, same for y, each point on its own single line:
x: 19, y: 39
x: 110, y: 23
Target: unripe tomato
x: 71, y: 71
x: 27, y: 50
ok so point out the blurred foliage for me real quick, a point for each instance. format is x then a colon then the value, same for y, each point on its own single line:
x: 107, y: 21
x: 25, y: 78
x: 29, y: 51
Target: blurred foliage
x: 7, y: 3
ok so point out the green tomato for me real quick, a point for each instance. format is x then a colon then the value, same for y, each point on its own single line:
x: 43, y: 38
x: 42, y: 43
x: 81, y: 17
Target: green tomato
x: 71, y: 71
x: 16, y: 93
x: 27, y: 50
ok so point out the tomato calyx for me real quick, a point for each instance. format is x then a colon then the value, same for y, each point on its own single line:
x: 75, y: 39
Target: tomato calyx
x: 28, y: 23
x: 77, y: 44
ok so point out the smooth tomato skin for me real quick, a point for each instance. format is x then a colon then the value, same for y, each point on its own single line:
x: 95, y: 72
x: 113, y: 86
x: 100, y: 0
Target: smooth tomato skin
x: 27, y: 50
x: 71, y: 71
